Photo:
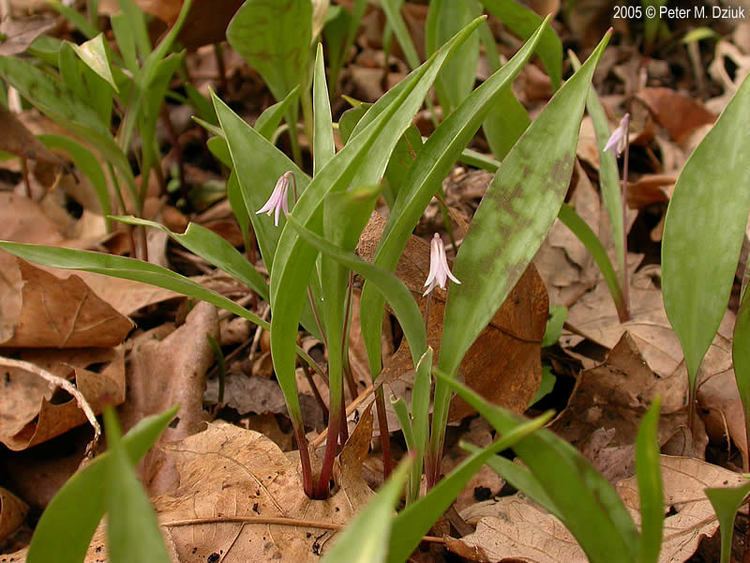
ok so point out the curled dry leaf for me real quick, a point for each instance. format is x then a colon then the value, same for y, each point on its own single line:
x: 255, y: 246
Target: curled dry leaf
x: 31, y: 411
x: 608, y: 401
x: 12, y: 513
x: 503, y: 365
x: 166, y: 372
x: 514, y: 528
x: 234, y: 486
x: 17, y: 34
x: 677, y: 113
x: 40, y: 310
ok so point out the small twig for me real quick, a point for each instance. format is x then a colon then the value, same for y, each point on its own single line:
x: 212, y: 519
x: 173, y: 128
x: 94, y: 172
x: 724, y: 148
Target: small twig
x: 294, y: 522
x: 57, y: 381
x: 25, y: 174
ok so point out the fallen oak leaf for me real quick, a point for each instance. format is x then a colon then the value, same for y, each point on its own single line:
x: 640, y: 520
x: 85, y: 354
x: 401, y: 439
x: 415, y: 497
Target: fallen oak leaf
x: 17, y: 34
x: 40, y: 310
x: 31, y: 413
x: 677, y: 113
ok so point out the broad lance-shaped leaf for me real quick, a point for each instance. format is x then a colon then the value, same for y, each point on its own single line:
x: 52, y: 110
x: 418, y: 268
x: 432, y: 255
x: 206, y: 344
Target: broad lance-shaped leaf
x: 583, y: 499
x: 361, y: 162
x: 433, y: 163
x: 650, y: 487
x: 323, y: 145
x: 132, y: 527
x: 94, y: 53
x: 726, y: 502
x: 417, y: 519
x: 274, y: 38
x: 67, y: 525
x: 522, y: 21
x: 258, y: 165
x: 126, y: 268
x: 212, y: 248
x: 703, y: 231
x: 456, y: 81
x: 511, y: 222
x: 365, y: 540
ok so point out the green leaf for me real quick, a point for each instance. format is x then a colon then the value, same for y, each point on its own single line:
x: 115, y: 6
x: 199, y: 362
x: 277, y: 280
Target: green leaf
x: 609, y: 176
x: 125, y: 42
x: 74, y: 17
x: 522, y: 22
x: 456, y: 81
x: 557, y: 316
x: 135, y: 21
x: 258, y: 165
x: 67, y: 525
x: 741, y: 354
x: 56, y: 100
x: 586, y: 503
x: 650, y: 488
x: 361, y: 162
x: 132, y: 528
x: 324, y: 146
x: 417, y: 519
x: 87, y: 163
x: 703, y: 232
x: 340, y: 33
x: 512, y: 220
x: 570, y: 218
x: 126, y: 268
x: 397, y: 294
x: 545, y: 386
x: 392, y: 9
x: 213, y: 249
x: 94, y: 53
x: 726, y: 503
x: 274, y: 38
x: 365, y: 539
x: 433, y: 163
x: 271, y: 117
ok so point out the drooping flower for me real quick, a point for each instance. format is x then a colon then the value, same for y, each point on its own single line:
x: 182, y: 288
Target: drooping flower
x: 619, y: 138
x: 278, y: 200
x: 439, y: 269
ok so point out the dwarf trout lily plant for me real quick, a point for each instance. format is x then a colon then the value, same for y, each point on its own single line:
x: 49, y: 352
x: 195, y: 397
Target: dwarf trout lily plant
x: 375, y: 157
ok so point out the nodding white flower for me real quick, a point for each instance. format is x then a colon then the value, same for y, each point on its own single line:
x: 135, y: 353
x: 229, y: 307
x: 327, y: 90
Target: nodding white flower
x: 278, y: 200
x: 619, y: 138
x: 439, y: 270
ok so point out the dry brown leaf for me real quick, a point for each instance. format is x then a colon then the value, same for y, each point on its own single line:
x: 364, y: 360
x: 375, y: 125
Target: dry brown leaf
x: 24, y: 220
x: 650, y: 189
x: 12, y: 513
x: 677, y: 113
x: 514, y: 528
x: 167, y: 372
x: 227, y: 472
x: 40, y: 310
x: 18, y: 140
x: 608, y: 402
x: 31, y: 412
x: 18, y: 34
x: 503, y: 364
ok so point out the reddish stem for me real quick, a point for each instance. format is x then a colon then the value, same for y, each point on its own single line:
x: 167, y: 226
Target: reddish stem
x: 332, y: 438
x: 304, y: 457
x: 385, y: 437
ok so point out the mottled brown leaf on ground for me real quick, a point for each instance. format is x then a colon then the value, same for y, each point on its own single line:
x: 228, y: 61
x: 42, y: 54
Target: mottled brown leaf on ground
x: 676, y: 112
x: 608, y: 402
x: 167, y: 372
x: 514, y: 528
x: 31, y: 412
x: 43, y: 311
x: 23, y: 220
x: 18, y: 34
x: 12, y: 513
x: 229, y: 472
x: 253, y: 394
x: 503, y: 365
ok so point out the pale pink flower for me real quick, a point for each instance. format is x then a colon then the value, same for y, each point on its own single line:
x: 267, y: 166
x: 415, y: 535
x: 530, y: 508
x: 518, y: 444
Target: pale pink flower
x: 439, y: 269
x: 619, y: 138
x: 278, y: 200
